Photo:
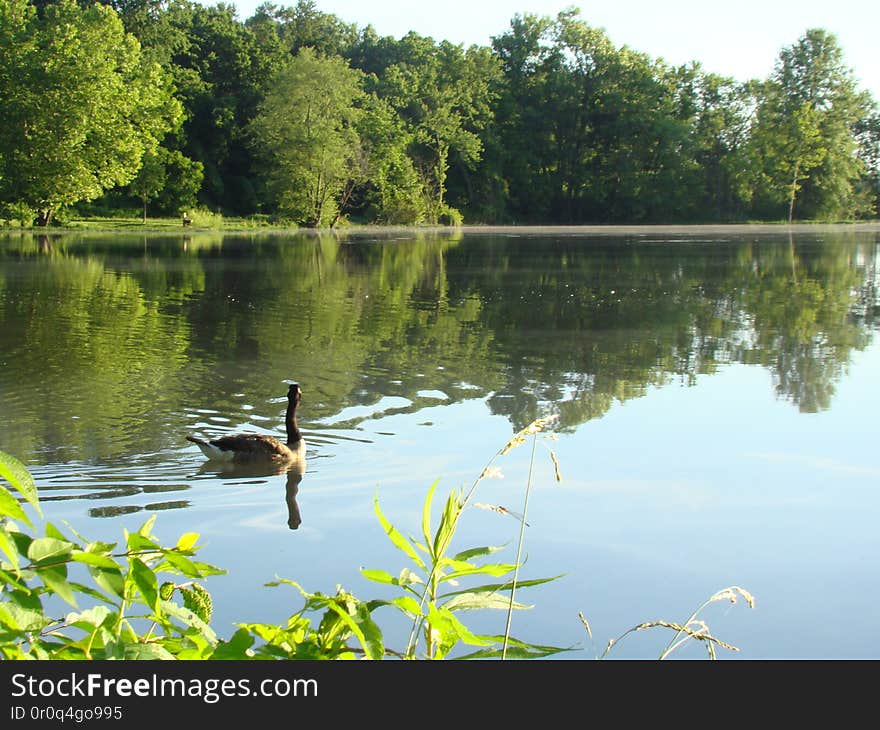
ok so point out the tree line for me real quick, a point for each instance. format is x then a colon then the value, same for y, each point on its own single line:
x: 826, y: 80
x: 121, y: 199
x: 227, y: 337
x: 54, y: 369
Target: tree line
x: 299, y: 116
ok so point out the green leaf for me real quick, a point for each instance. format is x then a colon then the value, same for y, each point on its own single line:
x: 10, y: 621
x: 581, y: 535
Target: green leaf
x: 22, y: 541
x: 426, y: 513
x: 100, y: 548
x: 472, y: 600
x: 90, y: 618
x: 110, y: 579
x: 147, y: 527
x: 145, y: 580
x: 147, y: 651
x: 399, y: 541
x: 52, y: 531
x: 9, y: 550
x: 100, y: 561
x: 49, y: 548
x: 113, y: 648
x: 284, y: 639
x: 19, y: 618
x: 195, y: 647
x: 368, y: 644
x: 448, y: 524
x: 184, y: 565
x: 406, y: 577
x: 22, y: 596
x: 408, y: 605
x: 55, y: 578
x: 491, y: 587
x: 139, y: 543
x: 14, y: 472
x: 187, y: 541
x: 10, y: 507
x: 13, y: 582
x: 494, y: 569
x: 517, y: 649
x: 374, y: 646
x: 477, y: 552
x: 236, y: 648
x: 451, y: 631
x: 189, y: 618
x: 206, y: 570
x: 378, y: 576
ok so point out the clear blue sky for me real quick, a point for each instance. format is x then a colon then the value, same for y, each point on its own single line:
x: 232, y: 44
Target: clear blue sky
x: 739, y: 38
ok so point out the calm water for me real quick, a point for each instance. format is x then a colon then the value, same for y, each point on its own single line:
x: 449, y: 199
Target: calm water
x: 717, y: 397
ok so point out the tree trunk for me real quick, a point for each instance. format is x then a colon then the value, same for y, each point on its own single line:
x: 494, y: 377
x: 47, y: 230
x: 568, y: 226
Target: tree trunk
x: 144, y: 199
x: 347, y: 192
x: 44, y: 217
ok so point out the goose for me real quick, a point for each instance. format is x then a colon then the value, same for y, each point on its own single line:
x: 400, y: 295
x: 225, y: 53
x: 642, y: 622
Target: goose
x: 250, y: 447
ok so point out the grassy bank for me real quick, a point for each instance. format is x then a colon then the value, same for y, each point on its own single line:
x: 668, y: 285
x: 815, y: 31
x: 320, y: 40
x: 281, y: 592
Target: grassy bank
x: 206, y: 221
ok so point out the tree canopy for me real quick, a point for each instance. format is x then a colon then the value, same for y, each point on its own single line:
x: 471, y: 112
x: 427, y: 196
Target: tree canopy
x: 805, y: 134
x: 306, y: 132
x: 80, y: 107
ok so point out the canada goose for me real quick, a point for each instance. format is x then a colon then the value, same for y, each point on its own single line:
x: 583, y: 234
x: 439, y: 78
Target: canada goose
x: 246, y: 447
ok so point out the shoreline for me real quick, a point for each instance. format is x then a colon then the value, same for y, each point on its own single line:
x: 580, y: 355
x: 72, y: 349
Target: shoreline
x: 357, y: 230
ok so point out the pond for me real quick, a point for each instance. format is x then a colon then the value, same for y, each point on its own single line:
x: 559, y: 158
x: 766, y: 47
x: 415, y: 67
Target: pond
x: 716, y: 392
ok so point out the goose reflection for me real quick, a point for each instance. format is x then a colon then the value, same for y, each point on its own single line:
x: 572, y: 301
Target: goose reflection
x: 293, y: 472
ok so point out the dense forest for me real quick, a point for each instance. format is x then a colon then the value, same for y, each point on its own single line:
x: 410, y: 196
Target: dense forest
x: 296, y: 116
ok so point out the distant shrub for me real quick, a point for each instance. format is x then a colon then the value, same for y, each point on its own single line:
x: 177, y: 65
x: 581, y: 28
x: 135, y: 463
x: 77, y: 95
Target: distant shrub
x: 204, y: 218
x: 450, y: 216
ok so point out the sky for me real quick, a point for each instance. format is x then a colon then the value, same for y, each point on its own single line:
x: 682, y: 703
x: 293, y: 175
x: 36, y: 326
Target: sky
x: 738, y: 38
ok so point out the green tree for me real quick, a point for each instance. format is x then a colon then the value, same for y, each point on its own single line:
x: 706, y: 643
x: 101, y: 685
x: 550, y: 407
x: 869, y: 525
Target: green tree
x: 79, y: 110
x: 804, y: 137
x: 719, y: 137
x: 868, y: 135
x: 149, y: 181
x: 183, y: 180
x: 306, y: 134
x: 589, y: 132
x: 392, y: 191
x: 304, y: 26
x: 444, y: 94
x: 220, y: 67
x: 169, y: 179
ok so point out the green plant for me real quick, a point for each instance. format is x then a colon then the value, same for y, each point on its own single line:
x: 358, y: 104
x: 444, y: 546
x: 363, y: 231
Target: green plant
x: 17, y: 214
x: 130, y: 616
x: 693, y: 629
x: 204, y: 218
x: 431, y: 598
x: 449, y: 216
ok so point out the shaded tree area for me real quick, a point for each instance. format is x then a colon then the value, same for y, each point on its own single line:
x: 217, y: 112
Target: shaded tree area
x: 550, y: 123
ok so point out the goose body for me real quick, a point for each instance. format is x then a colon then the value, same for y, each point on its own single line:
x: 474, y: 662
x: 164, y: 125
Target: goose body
x: 247, y: 447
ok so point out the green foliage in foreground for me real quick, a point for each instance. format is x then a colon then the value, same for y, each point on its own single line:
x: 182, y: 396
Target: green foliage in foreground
x: 123, y: 596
